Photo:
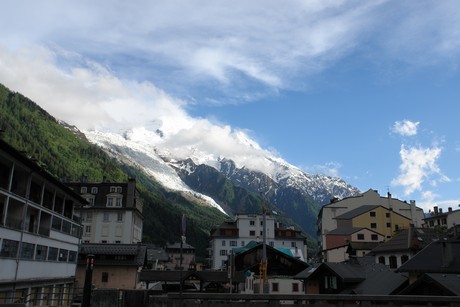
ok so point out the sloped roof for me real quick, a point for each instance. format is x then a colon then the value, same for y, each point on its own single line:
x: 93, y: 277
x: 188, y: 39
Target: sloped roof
x: 412, y: 238
x: 363, y: 245
x: 252, y: 244
x: 156, y: 253
x: 356, y: 212
x: 380, y: 280
x: 438, y: 257
x: 449, y: 282
x: 109, y: 254
x: 176, y: 245
x: 345, y: 230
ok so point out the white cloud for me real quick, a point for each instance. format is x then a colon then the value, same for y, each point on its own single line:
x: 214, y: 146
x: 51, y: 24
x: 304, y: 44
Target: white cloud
x: 330, y: 169
x: 418, y: 165
x: 405, y: 127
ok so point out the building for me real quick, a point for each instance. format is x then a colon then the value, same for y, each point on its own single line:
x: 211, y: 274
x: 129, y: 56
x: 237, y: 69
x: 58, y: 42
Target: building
x: 344, y: 242
x: 39, y: 233
x: 404, y: 245
x: 282, y: 266
x: 114, y: 211
x: 174, y: 252
x: 245, y: 228
x: 116, y: 266
x: 328, y: 217
x: 439, y: 219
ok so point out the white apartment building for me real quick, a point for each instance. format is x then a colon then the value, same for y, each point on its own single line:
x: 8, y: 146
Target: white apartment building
x: 39, y: 233
x: 245, y: 228
x: 114, y: 211
x: 328, y: 213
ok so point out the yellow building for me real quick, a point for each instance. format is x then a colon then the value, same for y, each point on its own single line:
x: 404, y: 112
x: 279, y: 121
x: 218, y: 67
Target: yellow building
x: 377, y: 218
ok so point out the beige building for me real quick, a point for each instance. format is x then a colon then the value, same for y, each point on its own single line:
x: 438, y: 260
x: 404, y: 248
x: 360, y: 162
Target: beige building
x: 327, y: 217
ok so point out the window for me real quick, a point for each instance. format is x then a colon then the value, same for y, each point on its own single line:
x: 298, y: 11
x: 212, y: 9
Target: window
x: 252, y: 223
x: 63, y: 255
x: 252, y: 233
x: 118, y: 242
x: 330, y: 282
x: 387, y: 214
x: 389, y: 225
x: 372, y: 214
x: 224, y: 243
x: 295, y: 287
x: 261, y: 223
x: 382, y: 260
x: 242, y: 243
x: 89, y: 216
x: 275, y: 287
x: 52, y: 254
x: 119, y: 190
x: 106, y: 217
x: 118, y: 202
x: 374, y: 225
x: 360, y: 236
x: 431, y: 223
x: 27, y: 250
x: 105, y: 277
x: 374, y: 237
x: 113, y: 189
x: 233, y: 243
x: 72, y: 256
x: 271, y: 243
x: 120, y: 216
x: 104, y: 241
x: 404, y: 258
x: 83, y: 190
x: 87, y: 229
x: 40, y: 252
x: 109, y: 202
x: 444, y: 221
x: 223, y: 252
x: 94, y: 190
x: 9, y: 248
x: 293, y: 244
x: 393, y: 263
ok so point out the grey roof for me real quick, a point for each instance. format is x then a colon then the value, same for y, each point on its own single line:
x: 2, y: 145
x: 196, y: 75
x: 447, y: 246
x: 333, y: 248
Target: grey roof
x: 361, y: 276
x: 106, y: 254
x: 363, y: 245
x: 344, y: 230
x: 156, y: 253
x: 356, y: 212
x: 449, y: 282
x: 438, y: 257
x: 412, y: 238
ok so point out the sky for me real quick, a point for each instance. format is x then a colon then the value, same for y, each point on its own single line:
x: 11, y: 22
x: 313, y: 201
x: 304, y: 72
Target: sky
x: 367, y: 91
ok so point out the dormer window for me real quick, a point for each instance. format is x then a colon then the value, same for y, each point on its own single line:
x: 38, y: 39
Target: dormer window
x: 116, y: 189
x: 83, y: 190
x: 94, y: 190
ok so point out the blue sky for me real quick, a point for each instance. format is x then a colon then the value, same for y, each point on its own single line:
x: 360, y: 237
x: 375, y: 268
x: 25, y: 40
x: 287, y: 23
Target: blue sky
x: 364, y: 90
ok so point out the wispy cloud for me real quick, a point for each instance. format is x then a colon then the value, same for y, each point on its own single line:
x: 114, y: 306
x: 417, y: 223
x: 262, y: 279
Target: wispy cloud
x: 417, y: 166
x: 405, y: 127
x: 330, y: 169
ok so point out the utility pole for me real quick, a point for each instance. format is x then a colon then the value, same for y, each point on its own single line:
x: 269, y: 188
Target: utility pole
x: 86, y: 301
x: 263, y: 263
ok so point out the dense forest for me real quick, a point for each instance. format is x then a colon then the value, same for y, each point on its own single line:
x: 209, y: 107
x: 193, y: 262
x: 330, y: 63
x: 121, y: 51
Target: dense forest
x: 65, y: 153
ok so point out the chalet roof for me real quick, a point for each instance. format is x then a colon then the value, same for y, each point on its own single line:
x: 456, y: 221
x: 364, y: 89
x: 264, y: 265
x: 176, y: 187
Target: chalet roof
x: 205, y: 276
x: 345, y: 230
x: 124, y: 254
x: 360, y: 276
x: 176, y: 245
x: 441, y: 256
x: 412, y: 238
x: 356, y: 212
x: 449, y: 282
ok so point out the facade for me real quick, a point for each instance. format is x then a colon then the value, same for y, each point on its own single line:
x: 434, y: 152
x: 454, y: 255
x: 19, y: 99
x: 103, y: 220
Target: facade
x: 403, y: 246
x: 327, y: 217
x: 342, y: 239
x: 114, y: 211
x: 116, y: 266
x: 39, y: 233
x: 246, y: 228
x: 174, y: 253
x: 439, y: 219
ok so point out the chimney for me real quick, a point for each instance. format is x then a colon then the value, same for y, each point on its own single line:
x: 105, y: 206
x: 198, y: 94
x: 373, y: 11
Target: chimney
x: 440, y: 210
x: 435, y: 208
x: 450, y: 209
x: 389, y: 195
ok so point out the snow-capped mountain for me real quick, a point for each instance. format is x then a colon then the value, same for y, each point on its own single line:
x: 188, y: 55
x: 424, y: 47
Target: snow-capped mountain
x: 195, y: 171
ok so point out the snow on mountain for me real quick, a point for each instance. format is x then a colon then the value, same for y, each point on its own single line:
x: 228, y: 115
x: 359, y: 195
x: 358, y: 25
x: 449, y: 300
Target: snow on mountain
x: 155, y: 151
